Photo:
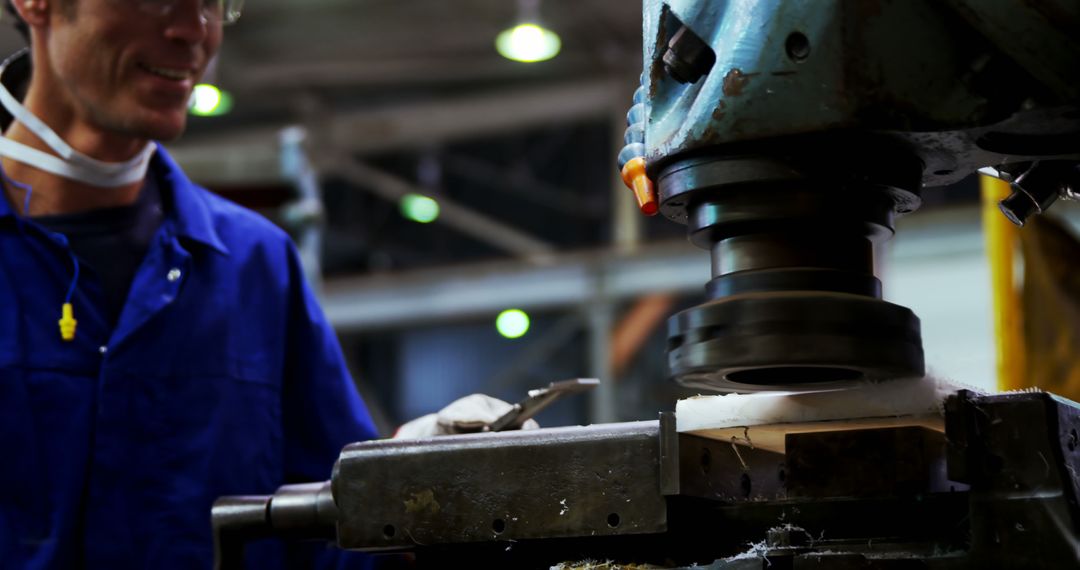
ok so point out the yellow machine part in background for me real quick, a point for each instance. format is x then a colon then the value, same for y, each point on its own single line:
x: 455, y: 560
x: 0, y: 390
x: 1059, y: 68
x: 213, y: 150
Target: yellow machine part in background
x: 1050, y: 301
x: 1036, y: 320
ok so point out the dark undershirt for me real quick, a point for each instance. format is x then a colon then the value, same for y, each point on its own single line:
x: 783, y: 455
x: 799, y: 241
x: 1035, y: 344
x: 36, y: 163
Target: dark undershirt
x: 112, y: 241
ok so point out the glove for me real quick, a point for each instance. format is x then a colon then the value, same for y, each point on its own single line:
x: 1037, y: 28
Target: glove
x: 470, y: 414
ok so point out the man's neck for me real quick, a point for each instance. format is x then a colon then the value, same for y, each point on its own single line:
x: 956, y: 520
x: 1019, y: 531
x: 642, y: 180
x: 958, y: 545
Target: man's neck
x: 54, y: 195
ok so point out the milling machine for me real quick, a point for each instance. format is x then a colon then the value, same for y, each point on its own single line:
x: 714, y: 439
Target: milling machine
x: 787, y: 137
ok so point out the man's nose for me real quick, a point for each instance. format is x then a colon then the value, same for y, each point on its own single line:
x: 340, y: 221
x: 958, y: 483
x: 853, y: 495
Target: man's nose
x: 186, y: 22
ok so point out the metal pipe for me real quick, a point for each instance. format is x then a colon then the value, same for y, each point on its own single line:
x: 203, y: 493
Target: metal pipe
x: 235, y: 521
x: 304, y: 511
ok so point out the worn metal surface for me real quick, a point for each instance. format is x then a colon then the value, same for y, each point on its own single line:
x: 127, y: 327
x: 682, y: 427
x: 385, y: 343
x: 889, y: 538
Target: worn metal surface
x: 787, y: 135
x: 794, y: 299
x: 792, y: 340
x: 729, y: 472
x: 963, y: 84
x: 876, y: 462
x: 723, y: 495
x: 1040, y: 36
x: 717, y: 470
x: 235, y: 521
x: 873, y: 184
x: 306, y: 510
x: 549, y: 483
x: 878, y: 498
x: 858, y: 499
x: 1020, y: 454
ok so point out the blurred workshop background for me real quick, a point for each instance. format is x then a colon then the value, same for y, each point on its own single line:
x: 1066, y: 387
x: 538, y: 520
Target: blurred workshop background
x: 433, y: 184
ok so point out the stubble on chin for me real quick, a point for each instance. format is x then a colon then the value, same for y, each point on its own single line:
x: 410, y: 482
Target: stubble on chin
x: 137, y: 126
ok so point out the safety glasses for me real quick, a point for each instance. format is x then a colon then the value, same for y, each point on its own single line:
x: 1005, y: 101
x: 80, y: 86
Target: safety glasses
x: 224, y: 12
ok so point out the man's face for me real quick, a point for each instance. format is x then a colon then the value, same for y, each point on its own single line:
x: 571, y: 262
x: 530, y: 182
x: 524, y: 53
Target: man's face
x: 128, y: 72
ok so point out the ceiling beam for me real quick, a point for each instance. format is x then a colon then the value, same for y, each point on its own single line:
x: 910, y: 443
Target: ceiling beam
x: 253, y: 78
x: 250, y: 156
x: 463, y: 219
x: 461, y: 292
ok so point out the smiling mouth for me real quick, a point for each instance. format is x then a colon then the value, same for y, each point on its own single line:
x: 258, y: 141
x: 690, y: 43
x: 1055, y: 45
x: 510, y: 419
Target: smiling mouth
x: 168, y: 73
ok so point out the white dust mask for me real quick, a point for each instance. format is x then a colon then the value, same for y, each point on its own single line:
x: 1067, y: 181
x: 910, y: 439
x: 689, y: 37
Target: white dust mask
x: 68, y: 162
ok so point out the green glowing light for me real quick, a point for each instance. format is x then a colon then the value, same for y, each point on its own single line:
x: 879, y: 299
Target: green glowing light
x: 209, y: 101
x: 512, y: 323
x: 528, y: 43
x: 419, y: 208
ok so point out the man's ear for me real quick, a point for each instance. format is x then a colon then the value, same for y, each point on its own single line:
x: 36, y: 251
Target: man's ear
x: 33, y: 12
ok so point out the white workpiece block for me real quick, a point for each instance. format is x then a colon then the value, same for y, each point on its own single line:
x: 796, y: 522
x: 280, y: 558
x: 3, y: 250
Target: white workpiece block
x: 762, y: 419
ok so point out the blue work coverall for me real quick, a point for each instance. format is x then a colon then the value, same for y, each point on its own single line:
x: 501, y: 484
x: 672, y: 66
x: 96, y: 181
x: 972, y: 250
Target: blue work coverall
x: 221, y: 377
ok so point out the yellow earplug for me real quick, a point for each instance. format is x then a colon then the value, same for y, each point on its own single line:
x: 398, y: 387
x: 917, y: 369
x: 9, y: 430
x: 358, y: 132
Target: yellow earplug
x: 67, y: 324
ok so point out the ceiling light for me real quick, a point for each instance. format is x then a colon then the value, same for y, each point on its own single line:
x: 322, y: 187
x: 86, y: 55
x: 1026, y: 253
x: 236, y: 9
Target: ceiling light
x: 512, y: 323
x: 419, y: 208
x: 528, y: 41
